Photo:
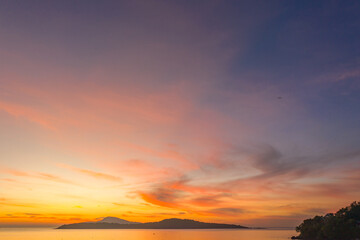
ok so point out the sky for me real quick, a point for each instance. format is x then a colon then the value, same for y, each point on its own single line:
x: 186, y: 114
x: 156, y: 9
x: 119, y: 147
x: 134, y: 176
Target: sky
x: 243, y: 112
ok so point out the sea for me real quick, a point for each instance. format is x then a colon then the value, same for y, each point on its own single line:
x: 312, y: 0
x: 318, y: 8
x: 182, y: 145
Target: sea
x: 144, y: 234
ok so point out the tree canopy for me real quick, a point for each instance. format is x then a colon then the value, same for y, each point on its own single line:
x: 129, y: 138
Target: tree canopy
x: 343, y: 225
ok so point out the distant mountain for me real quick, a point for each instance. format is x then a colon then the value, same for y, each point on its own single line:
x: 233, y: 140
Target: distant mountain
x: 115, y: 220
x: 173, y: 223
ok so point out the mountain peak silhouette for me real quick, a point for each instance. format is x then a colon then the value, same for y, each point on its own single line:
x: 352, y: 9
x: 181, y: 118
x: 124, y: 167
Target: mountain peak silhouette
x: 115, y: 220
x: 171, y: 223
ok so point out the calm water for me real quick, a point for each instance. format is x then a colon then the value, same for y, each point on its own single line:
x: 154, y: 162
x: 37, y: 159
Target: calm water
x: 132, y: 234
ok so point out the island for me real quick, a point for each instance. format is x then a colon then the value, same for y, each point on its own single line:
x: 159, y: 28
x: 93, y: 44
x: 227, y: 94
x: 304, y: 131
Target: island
x: 172, y: 223
x: 344, y: 225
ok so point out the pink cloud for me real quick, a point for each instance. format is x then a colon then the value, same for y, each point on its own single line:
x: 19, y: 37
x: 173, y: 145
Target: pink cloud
x: 95, y: 174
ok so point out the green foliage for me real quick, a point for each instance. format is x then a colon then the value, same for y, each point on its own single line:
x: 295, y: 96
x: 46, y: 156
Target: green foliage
x: 343, y: 225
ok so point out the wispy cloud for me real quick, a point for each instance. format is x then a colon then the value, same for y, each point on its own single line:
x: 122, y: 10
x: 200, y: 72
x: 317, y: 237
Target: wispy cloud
x: 218, y: 119
x: 28, y: 113
x: 38, y: 175
x: 94, y: 174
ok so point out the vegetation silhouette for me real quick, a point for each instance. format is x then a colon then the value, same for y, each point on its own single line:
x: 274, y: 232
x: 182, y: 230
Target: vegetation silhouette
x: 343, y: 225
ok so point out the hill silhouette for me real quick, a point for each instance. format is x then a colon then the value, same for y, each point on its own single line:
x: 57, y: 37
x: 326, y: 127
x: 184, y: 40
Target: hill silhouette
x: 116, y: 220
x: 172, y: 223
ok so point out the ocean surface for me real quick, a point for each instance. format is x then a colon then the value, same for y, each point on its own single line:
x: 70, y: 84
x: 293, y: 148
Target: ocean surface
x: 139, y: 234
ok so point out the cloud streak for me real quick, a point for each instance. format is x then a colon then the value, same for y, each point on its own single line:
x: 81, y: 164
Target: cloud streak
x: 215, y: 112
x: 94, y: 174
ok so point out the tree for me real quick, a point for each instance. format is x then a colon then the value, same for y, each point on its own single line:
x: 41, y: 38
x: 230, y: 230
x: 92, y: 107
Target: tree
x: 343, y: 225
x: 311, y: 228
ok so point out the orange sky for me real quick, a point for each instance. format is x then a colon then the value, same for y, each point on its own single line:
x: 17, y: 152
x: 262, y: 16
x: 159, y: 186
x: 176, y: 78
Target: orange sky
x: 118, y: 119
x: 70, y: 156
